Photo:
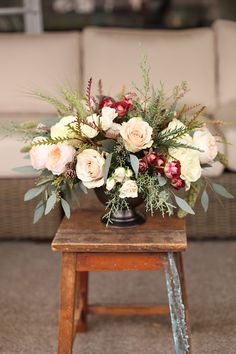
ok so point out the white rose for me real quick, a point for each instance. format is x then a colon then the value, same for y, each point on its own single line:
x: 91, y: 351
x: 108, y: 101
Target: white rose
x: 39, y: 154
x: 119, y: 174
x: 90, y: 130
x: 137, y: 134
x: 110, y: 183
x: 61, y: 129
x: 90, y: 168
x: 189, y: 158
x: 190, y: 164
x: 114, y: 131
x: 129, y: 189
x: 204, y: 140
x: 108, y: 115
x: 58, y: 156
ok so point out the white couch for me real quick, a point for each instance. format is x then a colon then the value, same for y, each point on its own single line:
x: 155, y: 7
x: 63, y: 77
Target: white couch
x: 205, y: 58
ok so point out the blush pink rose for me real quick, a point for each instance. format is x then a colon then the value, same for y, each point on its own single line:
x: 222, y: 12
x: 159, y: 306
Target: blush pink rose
x: 59, y: 155
x: 39, y: 154
x: 136, y: 134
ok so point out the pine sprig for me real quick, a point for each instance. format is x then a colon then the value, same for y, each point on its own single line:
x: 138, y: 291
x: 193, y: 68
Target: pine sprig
x: 170, y: 134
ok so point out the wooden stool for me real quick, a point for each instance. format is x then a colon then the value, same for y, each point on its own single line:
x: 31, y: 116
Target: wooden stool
x: 87, y: 245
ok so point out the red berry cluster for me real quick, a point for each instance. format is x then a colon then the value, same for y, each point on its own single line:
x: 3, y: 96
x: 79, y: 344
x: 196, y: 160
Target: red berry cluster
x: 171, y: 169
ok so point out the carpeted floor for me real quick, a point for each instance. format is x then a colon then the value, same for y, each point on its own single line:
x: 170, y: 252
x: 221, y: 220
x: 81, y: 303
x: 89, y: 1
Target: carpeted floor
x: 29, y: 292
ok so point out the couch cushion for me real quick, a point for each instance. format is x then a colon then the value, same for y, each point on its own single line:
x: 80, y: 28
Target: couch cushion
x: 114, y: 56
x: 36, y: 62
x: 227, y: 113
x: 225, y: 34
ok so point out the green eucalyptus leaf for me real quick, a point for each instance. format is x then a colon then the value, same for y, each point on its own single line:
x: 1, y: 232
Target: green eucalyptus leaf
x: 134, y: 161
x: 50, y: 203
x: 33, y: 192
x: 38, y: 213
x: 25, y: 169
x: 205, y: 200
x: 218, y: 188
x: 184, y: 205
x: 161, y: 180
x: 108, y: 145
x: 66, y: 207
x: 107, y: 166
x: 83, y: 188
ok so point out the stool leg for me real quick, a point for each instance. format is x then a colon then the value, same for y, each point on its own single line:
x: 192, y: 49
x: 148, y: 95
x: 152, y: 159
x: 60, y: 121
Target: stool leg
x: 82, y: 281
x: 180, y: 268
x: 67, y: 306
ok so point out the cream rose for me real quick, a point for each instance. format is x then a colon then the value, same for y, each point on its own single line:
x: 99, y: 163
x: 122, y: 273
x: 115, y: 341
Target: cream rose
x: 189, y: 158
x: 90, y: 168
x: 129, y: 189
x: 59, y: 155
x: 137, y: 134
x: 90, y: 130
x: 204, y: 140
x: 61, y: 129
x: 119, y: 174
x: 107, y: 117
x: 39, y: 154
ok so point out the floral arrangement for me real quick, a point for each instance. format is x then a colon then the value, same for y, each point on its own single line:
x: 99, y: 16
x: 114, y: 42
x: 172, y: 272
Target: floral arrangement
x: 142, y: 142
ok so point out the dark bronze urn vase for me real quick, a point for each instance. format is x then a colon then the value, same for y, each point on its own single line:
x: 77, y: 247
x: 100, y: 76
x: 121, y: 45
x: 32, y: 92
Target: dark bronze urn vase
x: 126, y: 217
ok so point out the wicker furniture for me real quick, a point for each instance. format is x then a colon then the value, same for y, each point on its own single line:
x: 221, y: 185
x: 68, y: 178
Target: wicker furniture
x: 87, y: 245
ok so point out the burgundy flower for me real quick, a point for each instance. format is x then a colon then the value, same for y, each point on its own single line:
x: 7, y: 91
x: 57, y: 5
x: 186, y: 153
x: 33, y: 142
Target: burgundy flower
x: 121, y: 108
x: 178, y: 183
x: 172, y: 169
x: 143, y: 165
x: 128, y: 98
x: 160, y: 163
x: 152, y: 157
x: 106, y: 102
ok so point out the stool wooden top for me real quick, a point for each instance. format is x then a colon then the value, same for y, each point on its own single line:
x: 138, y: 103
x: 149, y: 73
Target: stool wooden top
x: 84, y: 232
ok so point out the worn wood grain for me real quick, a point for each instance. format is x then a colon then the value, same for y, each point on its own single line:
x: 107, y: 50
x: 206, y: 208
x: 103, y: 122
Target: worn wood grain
x: 67, y: 304
x: 85, y: 233
x: 128, y: 310
x: 82, y: 294
x: 118, y: 261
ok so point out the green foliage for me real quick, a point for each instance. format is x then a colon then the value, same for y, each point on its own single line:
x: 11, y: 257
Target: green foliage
x: 134, y: 161
x: 205, y: 200
x: 114, y: 205
x: 219, y: 189
x: 66, y: 207
x: 191, y: 198
x: 155, y: 197
x: 74, y: 99
x: 184, y: 205
x: 62, y: 109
